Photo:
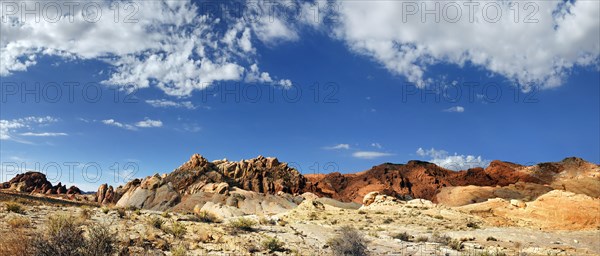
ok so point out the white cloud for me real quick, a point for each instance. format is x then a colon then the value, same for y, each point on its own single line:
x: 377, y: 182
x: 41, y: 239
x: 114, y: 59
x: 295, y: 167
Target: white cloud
x: 170, y: 45
x: 370, y: 154
x: 44, y: 134
x: 161, y: 103
x: 112, y: 122
x: 339, y: 146
x: 9, y: 127
x: 376, y: 145
x: 456, y: 109
x: 146, y: 123
x: 540, y: 53
x: 149, y: 123
x: 453, y: 162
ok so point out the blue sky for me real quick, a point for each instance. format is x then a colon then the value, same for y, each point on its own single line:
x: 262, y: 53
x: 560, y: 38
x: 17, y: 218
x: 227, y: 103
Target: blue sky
x: 380, y: 93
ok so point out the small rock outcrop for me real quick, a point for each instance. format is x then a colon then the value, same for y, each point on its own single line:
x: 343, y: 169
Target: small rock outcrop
x: 36, y: 182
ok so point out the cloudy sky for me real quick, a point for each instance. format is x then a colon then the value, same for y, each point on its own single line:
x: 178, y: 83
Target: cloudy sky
x: 123, y: 89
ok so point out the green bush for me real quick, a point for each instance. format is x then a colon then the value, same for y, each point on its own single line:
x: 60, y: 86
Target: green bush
x: 272, y: 244
x: 348, y: 242
x: 177, y: 229
x: 241, y: 223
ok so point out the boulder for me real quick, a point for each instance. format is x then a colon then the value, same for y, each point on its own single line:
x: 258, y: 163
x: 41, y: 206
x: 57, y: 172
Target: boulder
x: 370, y: 198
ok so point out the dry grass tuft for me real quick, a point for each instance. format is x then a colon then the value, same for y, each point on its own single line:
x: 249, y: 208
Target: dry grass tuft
x: 18, y: 222
x: 348, y: 242
x: 15, y: 207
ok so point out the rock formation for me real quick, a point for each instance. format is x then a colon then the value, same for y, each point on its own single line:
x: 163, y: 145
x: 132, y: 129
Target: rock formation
x: 418, y: 179
x: 36, y: 182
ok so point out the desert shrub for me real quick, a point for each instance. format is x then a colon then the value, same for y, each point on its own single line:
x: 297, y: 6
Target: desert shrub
x: 85, y: 213
x: 121, y: 212
x: 15, y: 207
x: 491, y: 238
x: 18, y: 222
x: 348, y: 242
x: 362, y: 212
x: 439, y: 217
x: 422, y: 239
x: 266, y: 221
x: 401, y: 236
x: 63, y: 237
x: 448, y: 241
x: 100, y: 242
x: 137, y: 211
x: 179, y: 250
x: 471, y: 224
x: 165, y: 214
x: 207, y: 217
x: 455, y: 244
x: 15, y: 243
x: 156, y: 222
x: 242, y: 223
x: 177, y: 229
x: 272, y: 244
x: 313, y: 216
x: 105, y: 210
x: 388, y: 221
x: 282, y: 222
x: 378, y: 212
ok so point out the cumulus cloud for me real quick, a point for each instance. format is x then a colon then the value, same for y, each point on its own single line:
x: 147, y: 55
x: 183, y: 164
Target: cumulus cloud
x: 112, y: 122
x: 370, y: 154
x: 339, y: 146
x: 562, y: 34
x: 456, y: 109
x: 453, y: 162
x: 162, y: 103
x: 8, y: 128
x: 149, y: 123
x: 167, y: 44
x: 146, y: 123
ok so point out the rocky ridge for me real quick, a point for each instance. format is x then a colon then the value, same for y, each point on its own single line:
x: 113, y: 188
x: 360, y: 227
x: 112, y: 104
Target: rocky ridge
x: 36, y: 182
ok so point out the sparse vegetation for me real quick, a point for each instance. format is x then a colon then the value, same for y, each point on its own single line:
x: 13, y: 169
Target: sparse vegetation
x: 244, y: 224
x: 18, y: 222
x: 177, y: 229
x: 491, y: 238
x: 63, y: 237
x: 263, y: 220
x: 348, y: 242
x: 105, y: 210
x: 15, y: 207
x: 207, y: 217
x: 100, y: 241
x: 15, y: 243
x: 448, y: 241
x: 362, y: 212
x: 179, y: 250
x: 388, y: 220
x: 272, y: 244
x: 85, y: 213
x: 313, y: 216
x: 165, y: 214
x: 472, y: 224
x: 156, y: 222
x: 422, y: 239
x: 121, y: 212
x: 402, y: 236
